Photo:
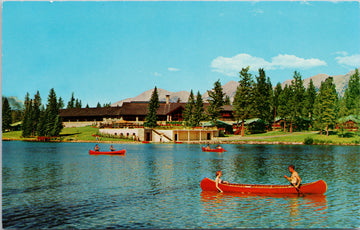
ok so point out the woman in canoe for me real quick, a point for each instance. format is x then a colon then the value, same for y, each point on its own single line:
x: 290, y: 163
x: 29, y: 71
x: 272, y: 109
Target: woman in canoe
x: 219, y: 181
x: 219, y: 147
x: 97, y: 148
x: 207, y: 147
x: 112, y: 148
x: 294, y: 179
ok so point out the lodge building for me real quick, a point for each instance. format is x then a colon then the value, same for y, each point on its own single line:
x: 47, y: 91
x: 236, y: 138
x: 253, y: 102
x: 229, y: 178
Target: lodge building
x: 128, y: 120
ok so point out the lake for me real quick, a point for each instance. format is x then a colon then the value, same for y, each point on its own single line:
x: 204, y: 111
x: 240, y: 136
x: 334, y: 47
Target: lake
x: 59, y: 185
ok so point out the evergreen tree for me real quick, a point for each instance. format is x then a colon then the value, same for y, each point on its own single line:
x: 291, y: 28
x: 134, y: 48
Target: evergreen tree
x: 216, y: 101
x: 310, y: 96
x: 78, y: 104
x: 284, y: 110
x: 71, y: 103
x: 87, y: 106
x: 52, y: 110
x: 27, y: 121
x: 98, y: 105
x: 188, y: 114
x: 275, y: 100
x: 262, y: 97
x: 151, y: 117
x: 352, y: 94
x: 6, y: 114
x: 227, y: 100
x: 325, y: 106
x: 199, y: 110
x: 244, y: 98
x: 41, y: 127
x: 296, y: 101
x: 61, y: 103
x: 36, y: 112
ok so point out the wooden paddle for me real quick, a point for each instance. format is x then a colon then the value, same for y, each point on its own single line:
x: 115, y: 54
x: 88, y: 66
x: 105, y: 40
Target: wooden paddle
x: 297, y: 189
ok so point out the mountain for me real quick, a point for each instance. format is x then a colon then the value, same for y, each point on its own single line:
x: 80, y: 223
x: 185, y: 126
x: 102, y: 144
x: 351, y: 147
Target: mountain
x: 15, y: 103
x: 229, y: 89
x: 341, y: 82
x: 145, y: 96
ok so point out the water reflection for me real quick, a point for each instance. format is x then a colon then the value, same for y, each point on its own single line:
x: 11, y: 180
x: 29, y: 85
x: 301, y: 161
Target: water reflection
x: 291, y: 207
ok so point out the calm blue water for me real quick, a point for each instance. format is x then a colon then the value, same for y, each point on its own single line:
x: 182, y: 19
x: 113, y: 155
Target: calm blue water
x: 59, y: 185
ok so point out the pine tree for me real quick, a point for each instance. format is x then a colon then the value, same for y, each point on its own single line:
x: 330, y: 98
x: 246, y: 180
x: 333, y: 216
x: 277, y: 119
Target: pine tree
x: 352, y: 94
x: 262, y: 97
x: 78, y: 104
x: 151, y: 117
x: 244, y: 98
x: 199, y: 110
x: 188, y: 114
x: 284, y: 110
x: 52, y: 110
x: 275, y: 99
x: 6, y: 114
x: 296, y: 101
x: 27, y: 121
x: 98, y: 105
x: 41, y: 127
x: 216, y: 101
x: 36, y: 112
x: 325, y: 106
x: 227, y: 100
x: 61, y: 103
x: 310, y: 96
x: 71, y: 103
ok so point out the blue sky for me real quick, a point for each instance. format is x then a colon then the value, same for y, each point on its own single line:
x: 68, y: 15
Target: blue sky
x: 108, y: 51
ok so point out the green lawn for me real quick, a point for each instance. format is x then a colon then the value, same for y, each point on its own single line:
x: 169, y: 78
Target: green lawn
x: 69, y: 134
x: 279, y: 136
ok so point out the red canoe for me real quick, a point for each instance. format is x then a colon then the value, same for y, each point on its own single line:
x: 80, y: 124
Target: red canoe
x: 119, y: 152
x: 213, y: 150
x: 317, y: 187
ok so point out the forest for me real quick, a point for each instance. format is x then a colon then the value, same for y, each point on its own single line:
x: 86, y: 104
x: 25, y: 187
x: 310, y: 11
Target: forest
x: 301, y: 108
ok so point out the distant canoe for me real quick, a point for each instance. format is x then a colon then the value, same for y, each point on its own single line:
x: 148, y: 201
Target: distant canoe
x: 317, y: 187
x: 213, y: 150
x: 119, y: 152
x: 145, y: 142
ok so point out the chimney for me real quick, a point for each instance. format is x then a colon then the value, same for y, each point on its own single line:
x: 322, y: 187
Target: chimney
x: 167, y: 99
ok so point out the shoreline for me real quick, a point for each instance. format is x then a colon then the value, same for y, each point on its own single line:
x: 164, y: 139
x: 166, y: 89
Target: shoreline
x: 213, y: 142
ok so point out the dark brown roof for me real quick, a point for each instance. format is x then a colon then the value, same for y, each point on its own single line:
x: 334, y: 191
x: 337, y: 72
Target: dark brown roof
x: 90, y: 112
x: 141, y: 108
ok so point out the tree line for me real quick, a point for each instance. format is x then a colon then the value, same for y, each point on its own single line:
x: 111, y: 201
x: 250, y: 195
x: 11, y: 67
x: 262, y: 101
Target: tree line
x: 299, y: 107
x: 38, y: 119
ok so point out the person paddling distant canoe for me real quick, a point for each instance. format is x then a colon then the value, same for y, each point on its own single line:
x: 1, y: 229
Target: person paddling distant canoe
x: 112, y: 148
x: 207, y: 147
x: 219, y: 181
x: 97, y: 148
x: 294, y: 179
x: 219, y: 147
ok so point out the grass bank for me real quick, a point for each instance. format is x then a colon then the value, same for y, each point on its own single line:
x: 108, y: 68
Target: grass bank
x: 85, y: 134
x: 308, y: 137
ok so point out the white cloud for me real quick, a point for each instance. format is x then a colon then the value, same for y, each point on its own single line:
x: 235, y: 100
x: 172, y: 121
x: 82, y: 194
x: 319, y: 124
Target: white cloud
x: 352, y: 60
x: 283, y: 61
x: 173, y: 69
x: 232, y: 65
x: 157, y: 74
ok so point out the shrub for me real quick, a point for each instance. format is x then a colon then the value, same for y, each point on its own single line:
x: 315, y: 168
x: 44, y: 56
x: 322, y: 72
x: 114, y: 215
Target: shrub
x: 308, y: 141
